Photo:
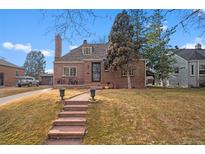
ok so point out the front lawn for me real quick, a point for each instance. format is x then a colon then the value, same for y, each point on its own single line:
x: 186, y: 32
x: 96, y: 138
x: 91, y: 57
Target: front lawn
x: 7, y: 91
x: 147, y: 116
x: 28, y: 120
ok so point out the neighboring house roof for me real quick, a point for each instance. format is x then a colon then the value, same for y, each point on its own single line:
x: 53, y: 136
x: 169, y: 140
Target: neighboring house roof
x: 98, y: 52
x: 191, y: 54
x: 6, y: 63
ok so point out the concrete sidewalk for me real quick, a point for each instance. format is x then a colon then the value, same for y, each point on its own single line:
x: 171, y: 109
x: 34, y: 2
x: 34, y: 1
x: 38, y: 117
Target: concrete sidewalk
x: 8, y: 99
x: 83, y: 97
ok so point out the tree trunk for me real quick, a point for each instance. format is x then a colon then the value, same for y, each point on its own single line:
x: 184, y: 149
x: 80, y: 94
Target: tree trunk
x: 164, y: 83
x: 115, y: 83
x: 129, y: 84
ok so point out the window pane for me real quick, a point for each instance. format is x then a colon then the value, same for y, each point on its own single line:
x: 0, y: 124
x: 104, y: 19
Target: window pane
x: 131, y: 71
x: 17, y: 73
x: 202, y: 67
x: 66, y: 71
x: 87, y: 50
x: 201, y: 71
x: 176, y: 70
x: 192, y: 69
x: 72, y: 71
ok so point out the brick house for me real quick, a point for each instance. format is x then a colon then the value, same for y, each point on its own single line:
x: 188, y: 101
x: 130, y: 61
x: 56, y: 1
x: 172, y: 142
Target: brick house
x: 84, y: 65
x: 9, y: 73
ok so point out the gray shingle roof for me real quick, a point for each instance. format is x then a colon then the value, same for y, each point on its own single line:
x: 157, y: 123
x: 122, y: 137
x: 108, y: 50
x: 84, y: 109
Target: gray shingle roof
x: 98, y: 52
x: 191, y: 54
x: 6, y: 63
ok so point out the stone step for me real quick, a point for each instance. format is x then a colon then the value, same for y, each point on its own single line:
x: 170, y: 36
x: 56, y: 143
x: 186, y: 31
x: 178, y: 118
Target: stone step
x: 76, y: 102
x: 72, y: 114
x: 63, y: 142
x: 70, y: 121
x: 66, y: 132
x: 75, y: 107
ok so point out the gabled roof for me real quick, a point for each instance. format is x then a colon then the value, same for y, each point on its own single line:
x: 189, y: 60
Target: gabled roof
x: 191, y: 54
x: 6, y: 63
x: 98, y: 52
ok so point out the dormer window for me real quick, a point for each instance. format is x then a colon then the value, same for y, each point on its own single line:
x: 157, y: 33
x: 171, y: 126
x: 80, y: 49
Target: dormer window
x: 87, y: 50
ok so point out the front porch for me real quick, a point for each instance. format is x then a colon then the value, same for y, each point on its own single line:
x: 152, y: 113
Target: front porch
x: 68, y: 86
x: 68, y: 81
x: 74, y: 82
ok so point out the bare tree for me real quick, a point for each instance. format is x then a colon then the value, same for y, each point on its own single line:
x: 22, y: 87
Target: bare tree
x: 70, y: 23
x: 189, y: 18
x: 101, y: 40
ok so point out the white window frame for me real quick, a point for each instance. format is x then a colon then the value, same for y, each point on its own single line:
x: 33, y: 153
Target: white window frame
x: 69, y: 71
x: 201, y: 69
x: 191, y: 69
x: 84, y: 52
x: 124, y: 72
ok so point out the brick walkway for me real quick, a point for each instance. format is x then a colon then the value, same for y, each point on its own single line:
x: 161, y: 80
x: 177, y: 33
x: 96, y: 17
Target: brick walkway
x: 70, y: 128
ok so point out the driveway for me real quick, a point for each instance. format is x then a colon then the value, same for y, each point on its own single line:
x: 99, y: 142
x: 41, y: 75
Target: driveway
x: 8, y: 99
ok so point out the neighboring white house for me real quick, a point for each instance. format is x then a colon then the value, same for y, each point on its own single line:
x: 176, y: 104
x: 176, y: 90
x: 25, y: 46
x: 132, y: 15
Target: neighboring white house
x: 189, y: 68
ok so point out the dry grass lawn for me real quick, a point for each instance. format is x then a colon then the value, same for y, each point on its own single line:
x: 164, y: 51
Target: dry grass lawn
x: 15, y: 90
x: 147, y: 116
x: 27, y: 121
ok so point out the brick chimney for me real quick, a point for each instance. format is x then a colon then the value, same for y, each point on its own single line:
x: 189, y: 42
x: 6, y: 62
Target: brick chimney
x: 198, y: 46
x: 58, y: 47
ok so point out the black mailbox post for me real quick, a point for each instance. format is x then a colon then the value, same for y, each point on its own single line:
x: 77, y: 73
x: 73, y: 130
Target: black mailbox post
x: 62, y: 93
x: 92, y: 93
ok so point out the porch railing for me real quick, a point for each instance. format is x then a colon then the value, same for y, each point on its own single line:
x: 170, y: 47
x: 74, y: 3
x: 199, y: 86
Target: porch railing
x: 69, y: 81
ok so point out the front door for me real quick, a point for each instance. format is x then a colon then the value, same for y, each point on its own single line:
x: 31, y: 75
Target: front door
x: 1, y: 79
x: 96, y: 72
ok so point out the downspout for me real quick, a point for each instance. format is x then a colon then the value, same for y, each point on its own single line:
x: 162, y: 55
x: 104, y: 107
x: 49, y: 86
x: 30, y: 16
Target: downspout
x: 198, y: 74
x: 188, y: 73
x: 145, y: 85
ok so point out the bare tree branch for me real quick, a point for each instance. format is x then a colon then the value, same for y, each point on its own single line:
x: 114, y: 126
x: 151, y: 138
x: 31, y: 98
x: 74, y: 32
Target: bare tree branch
x: 70, y: 23
x: 189, y: 18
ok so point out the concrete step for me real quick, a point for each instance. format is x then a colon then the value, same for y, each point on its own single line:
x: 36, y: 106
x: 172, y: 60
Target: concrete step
x: 63, y: 142
x: 75, y: 107
x: 76, y: 102
x: 72, y: 114
x: 70, y: 121
x: 66, y: 132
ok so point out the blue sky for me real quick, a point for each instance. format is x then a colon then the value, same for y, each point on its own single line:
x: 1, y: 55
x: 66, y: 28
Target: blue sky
x: 25, y: 30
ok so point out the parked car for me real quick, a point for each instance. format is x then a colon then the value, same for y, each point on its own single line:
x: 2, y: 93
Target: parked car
x: 27, y: 81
